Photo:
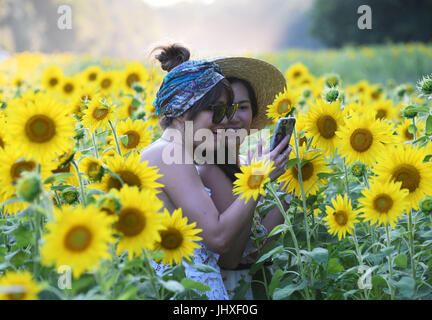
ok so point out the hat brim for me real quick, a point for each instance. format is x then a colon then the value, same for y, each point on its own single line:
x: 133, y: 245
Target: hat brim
x: 266, y: 80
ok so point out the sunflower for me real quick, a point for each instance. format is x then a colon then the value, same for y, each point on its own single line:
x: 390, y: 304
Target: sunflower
x: 384, y: 109
x: 18, y: 286
x: 41, y: 129
x: 364, y: 138
x: 151, y: 117
x: 13, y: 164
x: 403, y: 132
x: 126, y: 109
x: 68, y: 87
x: 131, y: 171
x: 252, y: 179
x: 91, y: 74
x: 92, y: 167
x: 405, y: 163
x: 135, y: 72
x: 139, y: 222
x: 353, y: 108
x: 98, y: 114
x: 322, y: 121
x: 313, y: 163
x: 137, y: 133
x: 384, y: 203
x: 79, y: 238
x: 177, y: 238
x: 300, y: 125
x: 296, y: 72
x: 52, y: 77
x: 107, y: 82
x: 282, y: 105
x: 2, y: 129
x: 341, y: 218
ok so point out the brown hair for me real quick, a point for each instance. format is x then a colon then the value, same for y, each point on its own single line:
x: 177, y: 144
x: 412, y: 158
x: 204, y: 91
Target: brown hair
x: 173, y: 55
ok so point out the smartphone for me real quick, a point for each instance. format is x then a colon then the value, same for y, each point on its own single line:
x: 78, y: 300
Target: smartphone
x: 284, y: 127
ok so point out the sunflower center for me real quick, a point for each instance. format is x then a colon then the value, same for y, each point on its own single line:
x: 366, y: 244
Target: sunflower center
x: 1, y: 143
x: 131, y: 222
x: 19, y: 167
x: 68, y: 87
x: 100, y: 113
x: 131, y: 109
x: 78, y: 238
x: 131, y: 79
x: 40, y: 128
x: 408, y: 175
x: 171, y: 238
x: 383, y: 203
x: 296, y: 74
x: 341, y: 217
x: 254, y: 181
x: 361, y: 139
x: 306, y: 170
x: 327, y: 126
x: 129, y: 178
x: 92, y: 76
x: 53, y: 82
x: 133, y: 139
x: 94, y: 171
x: 284, y: 106
x: 409, y: 135
x: 18, y: 295
x: 106, y: 83
x: 381, y: 114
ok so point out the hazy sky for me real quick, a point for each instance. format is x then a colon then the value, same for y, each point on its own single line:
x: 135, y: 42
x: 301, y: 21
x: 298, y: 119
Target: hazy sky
x: 167, y: 3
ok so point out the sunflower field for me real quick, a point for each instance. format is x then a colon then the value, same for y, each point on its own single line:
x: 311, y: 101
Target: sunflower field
x: 80, y: 217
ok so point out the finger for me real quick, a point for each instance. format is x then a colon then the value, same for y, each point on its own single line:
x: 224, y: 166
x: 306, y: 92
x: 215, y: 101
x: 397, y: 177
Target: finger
x: 282, y: 144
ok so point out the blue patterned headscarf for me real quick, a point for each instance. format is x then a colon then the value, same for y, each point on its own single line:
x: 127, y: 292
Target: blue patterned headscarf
x: 186, y: 84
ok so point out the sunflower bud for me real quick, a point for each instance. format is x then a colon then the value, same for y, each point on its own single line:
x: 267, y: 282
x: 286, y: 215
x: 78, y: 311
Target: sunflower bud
x: 140, y: 115
x: 358, y: 169
x: 426, y: 205
x: 69, y: 195
x: 306, y: 93
x: 409, y: 113
x: 29, y: 186
x: 79, y: 131
x: 332, y: 80
x: 401, y: 90
x: 109, y: 203
x: 425, y: 85
x: 138, y: 87
x: 391, y: 83
x: 331, y: 94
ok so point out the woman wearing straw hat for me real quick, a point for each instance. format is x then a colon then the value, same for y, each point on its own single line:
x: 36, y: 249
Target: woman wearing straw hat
x: 255, y: 84
x: 196, y: 91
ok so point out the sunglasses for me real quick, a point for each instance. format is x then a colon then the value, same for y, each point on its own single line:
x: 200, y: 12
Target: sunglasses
x: 222, y: 110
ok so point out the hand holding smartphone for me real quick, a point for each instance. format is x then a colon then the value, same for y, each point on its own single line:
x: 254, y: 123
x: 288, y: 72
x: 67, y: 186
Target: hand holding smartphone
x: 284, y: 127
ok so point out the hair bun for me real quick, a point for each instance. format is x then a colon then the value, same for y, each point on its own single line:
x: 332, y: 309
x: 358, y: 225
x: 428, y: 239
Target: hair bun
x: 171, y: 56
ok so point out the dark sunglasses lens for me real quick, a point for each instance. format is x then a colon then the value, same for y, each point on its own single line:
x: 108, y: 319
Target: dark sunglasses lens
x: 218, y: 114
x: 231, y: 110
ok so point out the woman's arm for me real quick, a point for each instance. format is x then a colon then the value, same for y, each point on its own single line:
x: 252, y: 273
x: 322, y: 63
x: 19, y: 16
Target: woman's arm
x: 222, y: 196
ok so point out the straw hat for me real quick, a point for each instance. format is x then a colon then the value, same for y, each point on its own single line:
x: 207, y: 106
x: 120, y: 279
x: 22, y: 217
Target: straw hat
x: 266, y: 80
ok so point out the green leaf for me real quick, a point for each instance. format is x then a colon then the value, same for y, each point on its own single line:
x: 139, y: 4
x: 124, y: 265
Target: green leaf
x: 191, y: 284
x: 23, y: 236
x: 172, y: 285
x: 334, y: 266
x: 378, y: 281
x: 58, y: 176
x: 429, y: 124
x: 269, y: 254
x: 292, y: 162
x: 401, y: 261
x: 287, y: 291
x: 135, y: 102
x: 124, y: 139
x: 320, y: 255
x: 130, y: 293
x: 202, y: 267
x: 278, y: 229
x: 406, y: 287
x: 275, y: 281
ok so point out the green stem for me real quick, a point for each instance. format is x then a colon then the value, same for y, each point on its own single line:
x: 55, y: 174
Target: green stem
x: 152, y: 275
x: 83, y: 198
x: 411, y: 242
x: 390, y: 264
x: 93, y: 136
x: 293, y: 236
x: 115, y: 137
x: 37, y: 227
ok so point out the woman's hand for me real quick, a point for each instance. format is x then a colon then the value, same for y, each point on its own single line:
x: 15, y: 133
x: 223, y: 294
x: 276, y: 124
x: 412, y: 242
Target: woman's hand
x: 279, y: 157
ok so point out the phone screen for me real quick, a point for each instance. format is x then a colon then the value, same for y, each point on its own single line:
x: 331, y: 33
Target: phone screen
x: 284, y: 127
